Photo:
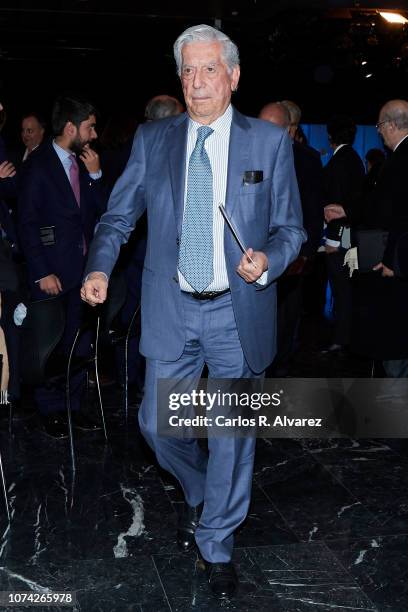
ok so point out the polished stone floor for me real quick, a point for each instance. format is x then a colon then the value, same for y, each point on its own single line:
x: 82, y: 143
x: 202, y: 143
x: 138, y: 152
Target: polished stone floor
x: 327, y: 527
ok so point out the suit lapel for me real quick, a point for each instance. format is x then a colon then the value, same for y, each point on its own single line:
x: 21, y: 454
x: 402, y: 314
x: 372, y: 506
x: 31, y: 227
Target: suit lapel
x: 59, y: 176
x: 240, y: 149
x: 177, y: 144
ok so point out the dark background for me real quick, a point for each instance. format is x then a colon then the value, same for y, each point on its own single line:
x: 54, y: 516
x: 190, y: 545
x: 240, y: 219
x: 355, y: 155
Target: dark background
x: 120, y: 53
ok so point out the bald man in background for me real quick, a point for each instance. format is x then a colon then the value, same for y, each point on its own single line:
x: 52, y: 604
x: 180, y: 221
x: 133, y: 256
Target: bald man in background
x: 276, y: 113
x: 308, y: 169
x: 163, y: 106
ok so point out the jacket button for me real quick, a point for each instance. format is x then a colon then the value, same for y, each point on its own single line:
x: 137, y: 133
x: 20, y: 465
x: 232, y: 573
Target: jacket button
x: 178, y: 242
x: 175, y: 279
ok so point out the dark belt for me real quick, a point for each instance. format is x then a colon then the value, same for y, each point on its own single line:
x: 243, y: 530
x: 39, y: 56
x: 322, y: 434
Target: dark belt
x: 206, y: 295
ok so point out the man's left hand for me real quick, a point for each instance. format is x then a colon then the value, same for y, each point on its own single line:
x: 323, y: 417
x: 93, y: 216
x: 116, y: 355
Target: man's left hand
x: 90, y: 159
x: 249, y: 270
x: 385, y: 271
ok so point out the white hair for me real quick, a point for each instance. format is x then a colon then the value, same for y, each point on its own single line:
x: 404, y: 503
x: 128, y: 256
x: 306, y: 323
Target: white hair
x: 206, y: 33
x: 294, y: 111
x: 396, y: 111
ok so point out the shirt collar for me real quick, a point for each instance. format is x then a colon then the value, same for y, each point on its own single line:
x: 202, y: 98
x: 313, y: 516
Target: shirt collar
x: 221, y: 125
x: 27, y: 153
x: 338, y: 148
x: 402, y: 140
x: 63, y: 154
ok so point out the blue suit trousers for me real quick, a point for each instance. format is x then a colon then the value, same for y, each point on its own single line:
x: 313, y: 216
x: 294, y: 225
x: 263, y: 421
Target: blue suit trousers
x: 222, y: 479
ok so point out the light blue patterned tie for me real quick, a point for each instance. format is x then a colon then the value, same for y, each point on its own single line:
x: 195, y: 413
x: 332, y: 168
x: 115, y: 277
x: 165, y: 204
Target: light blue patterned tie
x: 196, y: 245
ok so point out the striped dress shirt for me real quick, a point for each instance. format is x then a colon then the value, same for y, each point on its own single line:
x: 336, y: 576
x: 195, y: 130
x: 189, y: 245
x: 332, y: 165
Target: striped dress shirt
x: 216, y: 146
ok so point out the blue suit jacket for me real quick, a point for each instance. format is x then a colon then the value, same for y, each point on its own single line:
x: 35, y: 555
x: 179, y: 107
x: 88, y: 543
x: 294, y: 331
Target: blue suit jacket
x: 46, y: 199
x: 267, y: 215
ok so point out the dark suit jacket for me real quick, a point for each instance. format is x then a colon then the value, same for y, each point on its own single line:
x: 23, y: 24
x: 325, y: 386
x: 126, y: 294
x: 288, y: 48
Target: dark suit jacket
x: 343, y: 182
x: 8, y: 189
x: 309, y: 174
x: 16, y: 155
x: 388, y: 206
x: 46, y: 199
x: 381, y: 322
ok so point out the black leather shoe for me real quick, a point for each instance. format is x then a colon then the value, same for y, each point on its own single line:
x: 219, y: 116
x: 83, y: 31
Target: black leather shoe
x: 83, y: 422
x: 55, y: 426
x: 222, y: 579
x: 187, y: 526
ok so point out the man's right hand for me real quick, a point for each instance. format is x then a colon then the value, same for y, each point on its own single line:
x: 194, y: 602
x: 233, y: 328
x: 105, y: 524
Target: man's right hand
x: 95, y: 289
x: 51, y: 284
x: 7, y: 170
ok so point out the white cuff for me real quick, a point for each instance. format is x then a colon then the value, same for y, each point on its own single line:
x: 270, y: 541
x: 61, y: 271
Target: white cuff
x: 332, y: 243
x: 263, y: 279
x: 96, y: 272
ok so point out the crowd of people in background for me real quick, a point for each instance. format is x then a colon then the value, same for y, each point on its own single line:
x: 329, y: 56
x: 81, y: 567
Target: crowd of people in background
x: 55, y: 184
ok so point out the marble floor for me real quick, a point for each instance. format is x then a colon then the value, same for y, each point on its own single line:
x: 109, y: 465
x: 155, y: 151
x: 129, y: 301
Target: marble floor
x: 327, y: 528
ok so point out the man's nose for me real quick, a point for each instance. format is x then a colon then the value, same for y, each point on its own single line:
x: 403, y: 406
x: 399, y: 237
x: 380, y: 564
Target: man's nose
x: 197, y: 81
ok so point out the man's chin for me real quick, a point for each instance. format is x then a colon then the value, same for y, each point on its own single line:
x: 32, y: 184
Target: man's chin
x: 202, y: 105
x: 77, y: 148
x: 201, y: 111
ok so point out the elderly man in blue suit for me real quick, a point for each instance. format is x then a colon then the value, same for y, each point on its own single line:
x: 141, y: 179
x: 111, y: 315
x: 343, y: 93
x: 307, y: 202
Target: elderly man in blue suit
x: 203, y: 301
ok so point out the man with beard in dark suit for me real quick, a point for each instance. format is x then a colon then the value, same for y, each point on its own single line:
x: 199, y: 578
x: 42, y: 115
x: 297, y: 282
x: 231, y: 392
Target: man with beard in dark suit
x: 59, y: 201
x: 381, y: 325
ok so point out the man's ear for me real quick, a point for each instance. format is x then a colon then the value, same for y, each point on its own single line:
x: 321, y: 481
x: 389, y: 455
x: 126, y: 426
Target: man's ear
x: 235, y: 78
x: 70, y: 129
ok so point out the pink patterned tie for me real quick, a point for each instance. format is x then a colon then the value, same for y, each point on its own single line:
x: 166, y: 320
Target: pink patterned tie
x: 74, y: 178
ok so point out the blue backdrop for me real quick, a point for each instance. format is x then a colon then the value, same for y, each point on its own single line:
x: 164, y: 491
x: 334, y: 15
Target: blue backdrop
x: 367, y: 138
